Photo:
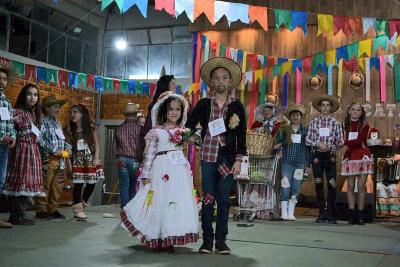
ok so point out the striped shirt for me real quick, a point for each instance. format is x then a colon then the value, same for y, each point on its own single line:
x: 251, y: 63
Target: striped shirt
x: 293, y: 153
x: 334, y: 139
x: 209, y: 148
x: 128, y: 140
x: 51, y: 142
x: 6, y: 126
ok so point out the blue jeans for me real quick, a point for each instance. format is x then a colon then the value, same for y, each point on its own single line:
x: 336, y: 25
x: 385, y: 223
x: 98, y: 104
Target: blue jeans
x: 216, y: 187
x: 292, y: 189
x: 3, y: 165
x: 127, y: 178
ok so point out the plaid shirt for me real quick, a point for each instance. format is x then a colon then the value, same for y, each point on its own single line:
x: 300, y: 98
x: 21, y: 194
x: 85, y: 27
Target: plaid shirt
x: 6, y: 126
x: 294, y: 153
x: 128, y: 140
x: 335, y: 138
x: 50, y: 142
x: 209, y: 149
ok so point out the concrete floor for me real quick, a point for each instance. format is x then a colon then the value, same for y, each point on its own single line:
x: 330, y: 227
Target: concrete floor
x: 102, y: 242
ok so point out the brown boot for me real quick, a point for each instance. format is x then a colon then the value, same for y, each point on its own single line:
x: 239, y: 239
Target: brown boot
x: 78, y: 211
x: 4, y: 224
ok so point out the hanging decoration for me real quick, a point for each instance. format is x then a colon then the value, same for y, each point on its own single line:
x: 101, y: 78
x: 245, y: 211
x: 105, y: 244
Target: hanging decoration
x: 383, y: 78
x: 340, y: 78
x: 367, y: 80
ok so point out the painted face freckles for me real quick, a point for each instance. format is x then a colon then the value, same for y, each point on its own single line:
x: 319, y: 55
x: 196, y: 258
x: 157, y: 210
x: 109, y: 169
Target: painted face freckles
x: 174, y: 112
x: 32, y: 97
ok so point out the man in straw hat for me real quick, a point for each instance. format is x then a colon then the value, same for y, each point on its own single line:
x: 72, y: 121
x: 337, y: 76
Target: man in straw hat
x: 325, y: 136
x: 53, y: 145
x: 295, y: 158
x: 129, y: 153
x: 223, y: 135
x: 7, y: 131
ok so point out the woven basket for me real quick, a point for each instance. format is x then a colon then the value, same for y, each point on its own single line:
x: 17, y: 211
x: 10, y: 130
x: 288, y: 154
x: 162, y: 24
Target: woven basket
x: 259, y: 143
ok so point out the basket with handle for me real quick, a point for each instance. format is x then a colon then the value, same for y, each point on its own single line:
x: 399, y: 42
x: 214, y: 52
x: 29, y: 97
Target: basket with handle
x: 259, y: 143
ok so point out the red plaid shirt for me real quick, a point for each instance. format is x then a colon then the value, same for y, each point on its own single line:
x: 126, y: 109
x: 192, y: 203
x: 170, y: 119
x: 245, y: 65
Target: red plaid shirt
x: 335, y: 138
x: 209, y: 149
x: 128, y: 140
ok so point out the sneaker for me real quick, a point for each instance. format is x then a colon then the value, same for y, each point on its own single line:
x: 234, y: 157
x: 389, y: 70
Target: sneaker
x: 331, y: 220
x: 42, y: 215
x: 4, y: 224
x: 320, y: 219
x: 207, y: 247
x: 222, y: 248
x: 56, y: 216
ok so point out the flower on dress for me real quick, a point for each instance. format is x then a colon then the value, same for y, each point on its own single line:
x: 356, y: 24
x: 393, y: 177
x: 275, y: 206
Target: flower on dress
x: 234, y: 121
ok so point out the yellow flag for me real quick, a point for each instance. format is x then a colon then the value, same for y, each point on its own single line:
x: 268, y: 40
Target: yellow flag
x: 398, y: 41
x: 364, y: 47
x: 331, y: 57
x: 191, y: 89
x: 244, y: 62
x: 287, y: 67
x: 361, y: 64
x: 325, y: 24
x: 258, y: 75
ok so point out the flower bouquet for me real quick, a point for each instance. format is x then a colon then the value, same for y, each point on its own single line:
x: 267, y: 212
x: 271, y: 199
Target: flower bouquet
x: 180, y: 136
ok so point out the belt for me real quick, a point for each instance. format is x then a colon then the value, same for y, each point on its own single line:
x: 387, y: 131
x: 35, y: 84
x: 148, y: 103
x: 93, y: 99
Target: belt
x: 164, y: 152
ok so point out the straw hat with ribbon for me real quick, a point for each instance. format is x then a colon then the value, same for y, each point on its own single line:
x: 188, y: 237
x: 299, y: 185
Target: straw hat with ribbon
x: 51, y: 100
x: 221, y: 62
x: 333, y: 100
x: 164, y: 96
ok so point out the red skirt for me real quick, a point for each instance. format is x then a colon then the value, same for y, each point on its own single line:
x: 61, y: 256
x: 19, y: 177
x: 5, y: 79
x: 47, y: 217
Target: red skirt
x: 357, y: 162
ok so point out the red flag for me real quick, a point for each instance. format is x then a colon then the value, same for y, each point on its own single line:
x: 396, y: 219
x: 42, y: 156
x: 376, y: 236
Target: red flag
x: 355, y: 25
x: 167, y: 5
x: 253, y: 60
x: 63, y: 78
x: 394, y: 26
x: 152, y: 89
x: 90, y: 81
x: 117, y: 85
x: 307, y: 64
x: 30, y: 72
x: 349, y: 64
x: 259, y: 14
x: 341, y: 23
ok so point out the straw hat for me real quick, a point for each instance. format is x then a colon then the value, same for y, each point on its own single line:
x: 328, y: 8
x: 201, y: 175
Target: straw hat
x: 314, y: 82
x: 334, y: 102
x: 356, y: 80
x: 164, y: 96
x: 221, y: 62
x: 295, y: 107
x: 131, y: 108
x: 51, y: 100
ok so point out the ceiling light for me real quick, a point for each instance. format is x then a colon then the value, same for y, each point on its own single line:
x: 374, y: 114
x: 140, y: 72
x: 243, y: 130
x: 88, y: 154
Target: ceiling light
x: 120, y: 44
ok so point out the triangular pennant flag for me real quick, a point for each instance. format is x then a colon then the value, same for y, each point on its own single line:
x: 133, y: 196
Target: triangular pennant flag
x: 258, y: 75
x: 63, y: 78
x: 232, y: 11
x: 105, y: 4
x: 287, y: 67
x: 393, y: 40
x: 131, y: 87
x: 394, y: 27
x: 82, y: 80
x: 341, y: 53
x: 73, y: 79
x: 282, y: 60
x: 374, y: 62
x: 124, y: 5
x: 389, y: 59
x: 146, y: 89
x: 123, y: 89
x: 18, y: 68
x: 259, y: 14
x: 248, y: 76
x: 368, y: 23
x: 277, y: 70
x: 153, y: 89
x: 299, y: 19
x: 382, y: 27
x: 325, y: 24
x: 90, y: 81
x: 30, y: 73
x: 381, y: 41
x: 331, y: 57
x: 297, y: 64
x: 167, y: 5
x: 186, y: 6
x: 41, y: 74
x: 139, y: 87
x: 206, y: 7
x: 99, y: 83
x: 307, y: 63
x: 341, y: 23
x: 356, y: 25
x: 283, y: 17
x: 365, y: 47
x: 222, y: 50
x: 52, y: 76
x: 352, y: 50
x: 318, y: 63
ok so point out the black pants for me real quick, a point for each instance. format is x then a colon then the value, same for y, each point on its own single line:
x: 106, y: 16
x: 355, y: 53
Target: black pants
x: 325, y: 162
x: 77, y: 192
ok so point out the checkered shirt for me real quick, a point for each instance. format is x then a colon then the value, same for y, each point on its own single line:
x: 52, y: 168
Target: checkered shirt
x: 6, y: 126
x: 335, y: 138
x: 49, y: 142
x: 209, y: 149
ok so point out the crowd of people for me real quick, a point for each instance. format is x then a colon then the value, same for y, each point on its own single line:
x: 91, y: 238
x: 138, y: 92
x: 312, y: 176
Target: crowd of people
x: 158, y: 203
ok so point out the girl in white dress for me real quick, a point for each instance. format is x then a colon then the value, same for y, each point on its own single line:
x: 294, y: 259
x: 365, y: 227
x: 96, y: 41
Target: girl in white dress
x: 164, y: 211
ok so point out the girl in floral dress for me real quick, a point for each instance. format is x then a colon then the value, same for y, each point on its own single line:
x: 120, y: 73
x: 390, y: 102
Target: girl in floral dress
x: 357, y: 160
x: 24, y: 177
x: 82, y: 135
x: 164, y: 211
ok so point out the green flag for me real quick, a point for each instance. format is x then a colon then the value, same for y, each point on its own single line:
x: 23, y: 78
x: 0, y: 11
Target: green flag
x: 222, y: 50
x: 18, y: 68
x: 396, y: 73
x: 283, y: 17
x: 380, y: 41
x: 352, y: 51
x: 52, y: 76
x: 123, y: 87
x: 105, y: 3
x: 264, y: 83
x: 108, y: 85
x: 277, y: 70
x: 82, y: 80
x: 382, y: 27
x: 318, y: 63
x: 139, y: 88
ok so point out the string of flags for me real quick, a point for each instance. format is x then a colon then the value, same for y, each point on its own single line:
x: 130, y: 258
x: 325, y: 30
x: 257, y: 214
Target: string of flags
x: 76, y: 80
x: 249, y: 14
